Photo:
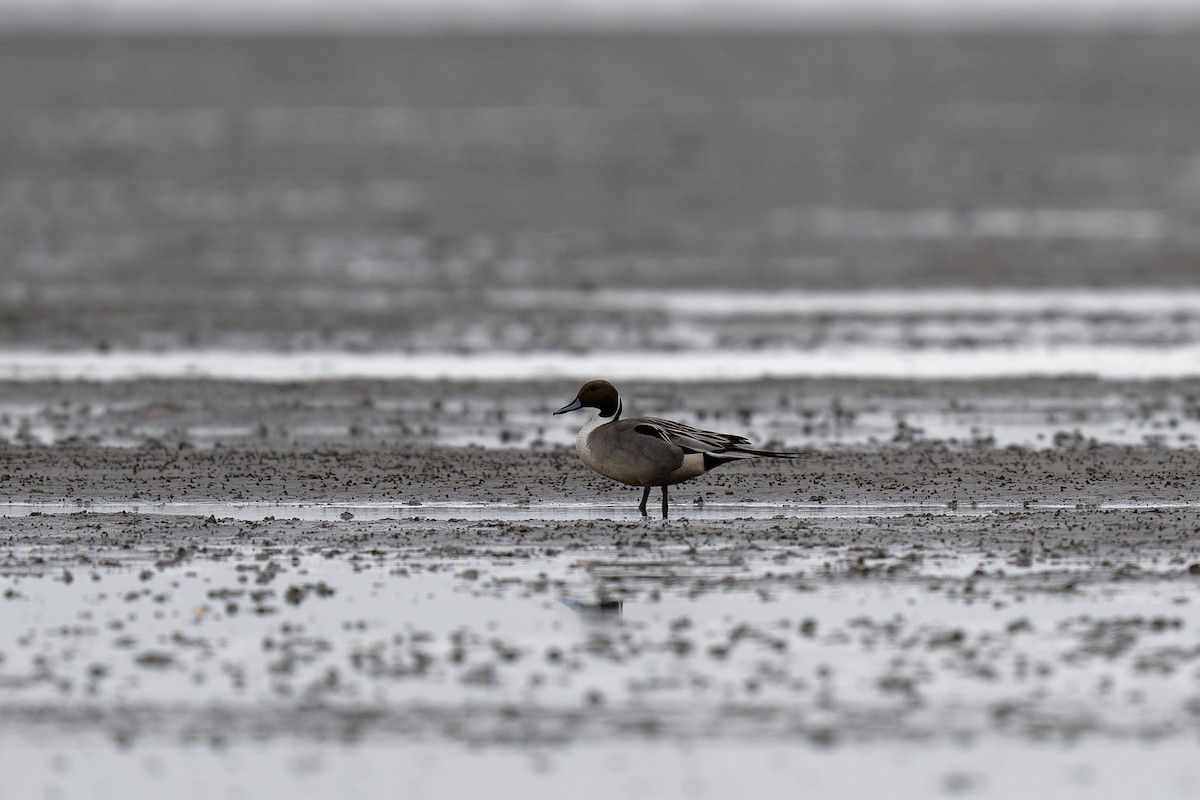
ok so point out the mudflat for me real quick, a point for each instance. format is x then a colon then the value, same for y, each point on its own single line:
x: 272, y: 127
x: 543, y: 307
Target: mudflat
x: 368, y: 590
x: 367, y: 587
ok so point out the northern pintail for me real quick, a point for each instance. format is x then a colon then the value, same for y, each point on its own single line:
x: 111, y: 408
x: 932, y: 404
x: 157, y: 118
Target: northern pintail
x: 647, y: 451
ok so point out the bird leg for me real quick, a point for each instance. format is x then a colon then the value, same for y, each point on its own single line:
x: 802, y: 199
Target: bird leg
x: 664, y: 501
x: 646, y: 496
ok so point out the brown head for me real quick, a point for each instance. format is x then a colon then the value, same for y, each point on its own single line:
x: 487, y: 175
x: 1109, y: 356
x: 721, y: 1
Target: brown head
x: 600, y: 395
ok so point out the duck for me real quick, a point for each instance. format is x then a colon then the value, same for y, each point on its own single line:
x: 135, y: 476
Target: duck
x: 648, y: 451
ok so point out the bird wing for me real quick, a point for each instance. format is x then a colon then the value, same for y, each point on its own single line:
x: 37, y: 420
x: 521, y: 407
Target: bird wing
x: 689, y: 439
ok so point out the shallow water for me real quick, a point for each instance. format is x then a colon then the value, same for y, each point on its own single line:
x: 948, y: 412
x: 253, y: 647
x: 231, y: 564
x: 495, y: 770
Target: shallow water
x: 1108, y: 362
x: 282, y: 656
x: 651, y: 770
x: 802, y: 415
x: 680, y: 335
x: 401, y: 626
x: 486, y: 511
x: 937, y: 303
x: 508, y: 512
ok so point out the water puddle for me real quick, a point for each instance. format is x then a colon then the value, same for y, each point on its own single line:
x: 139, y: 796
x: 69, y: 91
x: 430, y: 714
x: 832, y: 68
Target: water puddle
x: 329, y: 652
x: 472, y: 637
x: 877, y: 361
x: 1095, y: 769
x: 875, y: 303
x: 506, y: 512
x: 1136, y: 334
x: 1171, y: 424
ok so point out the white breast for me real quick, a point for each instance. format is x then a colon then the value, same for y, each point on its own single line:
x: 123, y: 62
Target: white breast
x: 586, y: 454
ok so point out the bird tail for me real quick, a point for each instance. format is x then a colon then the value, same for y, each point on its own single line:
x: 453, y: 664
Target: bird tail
x: 736, y: 453
x: 751, y: 453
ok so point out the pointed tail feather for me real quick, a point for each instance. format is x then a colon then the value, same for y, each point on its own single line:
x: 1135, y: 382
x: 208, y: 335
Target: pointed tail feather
x: 735, y: 454
x: 750, y: 453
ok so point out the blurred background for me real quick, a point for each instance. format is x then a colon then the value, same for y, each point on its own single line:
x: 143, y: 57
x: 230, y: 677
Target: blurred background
x: 411, y: 176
